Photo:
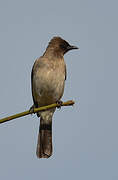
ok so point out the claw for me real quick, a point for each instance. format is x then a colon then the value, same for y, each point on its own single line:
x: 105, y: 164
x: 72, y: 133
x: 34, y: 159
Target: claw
x: 31, y: 110
x: 59, y: 103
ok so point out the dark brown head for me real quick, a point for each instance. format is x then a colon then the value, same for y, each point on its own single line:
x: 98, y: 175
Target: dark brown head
x: 60, y: 46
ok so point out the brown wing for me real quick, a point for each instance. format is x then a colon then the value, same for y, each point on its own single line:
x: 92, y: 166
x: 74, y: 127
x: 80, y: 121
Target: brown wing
x: 65, y: 73
x: 34, y: 70
x: 32, y: 75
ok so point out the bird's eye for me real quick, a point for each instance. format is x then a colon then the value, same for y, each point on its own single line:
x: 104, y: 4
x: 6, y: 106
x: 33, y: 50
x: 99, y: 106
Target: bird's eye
x: 63, y: 46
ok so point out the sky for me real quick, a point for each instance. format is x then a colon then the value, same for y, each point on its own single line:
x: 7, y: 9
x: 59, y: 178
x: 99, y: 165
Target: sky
x: 85, y: 136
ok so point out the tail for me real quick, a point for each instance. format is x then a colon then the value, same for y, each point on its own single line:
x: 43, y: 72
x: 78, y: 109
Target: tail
x: 44, y: 145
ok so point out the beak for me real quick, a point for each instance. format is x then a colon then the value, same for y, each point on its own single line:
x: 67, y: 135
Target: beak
x: 72, y: 47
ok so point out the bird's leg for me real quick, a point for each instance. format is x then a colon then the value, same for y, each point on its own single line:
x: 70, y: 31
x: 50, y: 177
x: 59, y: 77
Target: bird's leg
x: 31, y: 110
x: 59, y: 103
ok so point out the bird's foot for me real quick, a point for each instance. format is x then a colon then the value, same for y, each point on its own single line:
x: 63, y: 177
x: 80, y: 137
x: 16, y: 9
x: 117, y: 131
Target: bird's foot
x: 59, y: 103
x: 31, y: 110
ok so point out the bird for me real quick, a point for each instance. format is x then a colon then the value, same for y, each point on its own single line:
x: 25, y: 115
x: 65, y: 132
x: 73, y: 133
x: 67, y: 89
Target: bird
x: 47, y: 81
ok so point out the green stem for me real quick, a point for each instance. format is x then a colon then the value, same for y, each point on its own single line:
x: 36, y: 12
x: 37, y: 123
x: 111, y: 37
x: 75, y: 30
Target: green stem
x: 68, y: 103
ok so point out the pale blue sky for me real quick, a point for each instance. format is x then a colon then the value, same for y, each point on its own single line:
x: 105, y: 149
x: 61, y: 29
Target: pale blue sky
x: 85, y: 137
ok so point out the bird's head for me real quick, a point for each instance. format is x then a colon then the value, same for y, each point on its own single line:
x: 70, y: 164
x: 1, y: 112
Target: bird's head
x: 60, y: 46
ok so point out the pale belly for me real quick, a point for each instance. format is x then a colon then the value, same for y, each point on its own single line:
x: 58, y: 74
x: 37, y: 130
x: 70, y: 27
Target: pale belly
x: 49, y: 87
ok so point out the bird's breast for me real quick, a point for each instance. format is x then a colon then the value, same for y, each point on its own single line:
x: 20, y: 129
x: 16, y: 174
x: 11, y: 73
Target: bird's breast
x: 49, y: 83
